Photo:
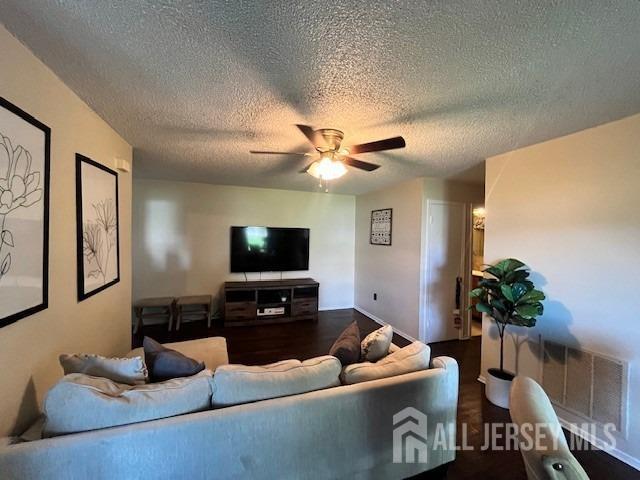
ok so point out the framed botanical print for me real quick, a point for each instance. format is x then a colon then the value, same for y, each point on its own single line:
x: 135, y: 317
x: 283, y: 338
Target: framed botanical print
x: 381, y: 225
x: 98, y: 246
x: 25, y: 145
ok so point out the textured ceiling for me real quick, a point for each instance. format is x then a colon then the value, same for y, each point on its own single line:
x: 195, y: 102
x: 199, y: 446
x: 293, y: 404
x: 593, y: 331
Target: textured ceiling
x: 193, y: 85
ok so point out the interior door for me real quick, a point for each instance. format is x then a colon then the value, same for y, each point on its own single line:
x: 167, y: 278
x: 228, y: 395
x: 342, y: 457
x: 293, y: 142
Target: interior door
x: 445, y: 264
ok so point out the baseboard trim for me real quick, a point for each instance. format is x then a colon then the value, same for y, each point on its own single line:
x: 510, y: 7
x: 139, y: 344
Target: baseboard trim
x: 379, y: 321
x: 481, y: 379
x: 598, y: 443
x: 341, y: 307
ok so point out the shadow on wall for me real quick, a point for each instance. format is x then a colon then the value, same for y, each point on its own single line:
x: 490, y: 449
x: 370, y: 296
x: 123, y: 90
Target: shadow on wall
x: 554, y: 326
x: 28, y: 411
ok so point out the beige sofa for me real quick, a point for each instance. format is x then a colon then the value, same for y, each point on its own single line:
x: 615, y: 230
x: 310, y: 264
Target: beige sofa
x: 340, y: 432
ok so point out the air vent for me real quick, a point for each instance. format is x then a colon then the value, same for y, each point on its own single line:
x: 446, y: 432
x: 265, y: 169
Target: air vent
x: 579, y: 381
x: 587, y: 384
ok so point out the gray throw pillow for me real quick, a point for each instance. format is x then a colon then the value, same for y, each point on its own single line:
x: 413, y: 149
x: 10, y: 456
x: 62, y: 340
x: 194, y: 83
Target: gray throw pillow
x: 131, y: 371
x: 347, y: 347
x: 164, y: 363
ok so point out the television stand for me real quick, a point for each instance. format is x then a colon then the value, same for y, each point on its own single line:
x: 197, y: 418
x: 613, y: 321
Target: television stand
x: 297, y: 299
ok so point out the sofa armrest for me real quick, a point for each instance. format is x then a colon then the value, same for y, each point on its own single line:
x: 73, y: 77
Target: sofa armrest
x: 563, y: 468
x: 450, y: 365
x: 447, y: 363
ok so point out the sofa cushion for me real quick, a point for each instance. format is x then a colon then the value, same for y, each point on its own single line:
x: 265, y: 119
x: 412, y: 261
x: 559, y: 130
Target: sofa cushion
x: 347, y: 347
x: 235, y: 384
x: 211, y: 350
x: 376, y: 345
x: 412, y: 358
x: 81, y: 402
x: 131, y: 371
x: 165, y: 363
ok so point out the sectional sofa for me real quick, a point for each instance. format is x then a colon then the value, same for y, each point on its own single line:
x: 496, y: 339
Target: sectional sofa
x: 340, y: 432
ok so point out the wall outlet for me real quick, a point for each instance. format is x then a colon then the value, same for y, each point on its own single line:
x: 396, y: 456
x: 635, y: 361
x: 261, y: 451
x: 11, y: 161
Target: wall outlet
x: 375, y: 296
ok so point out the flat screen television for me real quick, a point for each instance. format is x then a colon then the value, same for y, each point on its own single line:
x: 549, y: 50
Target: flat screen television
x: 268, y: 249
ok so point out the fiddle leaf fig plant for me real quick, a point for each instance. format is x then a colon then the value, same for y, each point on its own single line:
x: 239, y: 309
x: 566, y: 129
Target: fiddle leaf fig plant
x: 510, y: 298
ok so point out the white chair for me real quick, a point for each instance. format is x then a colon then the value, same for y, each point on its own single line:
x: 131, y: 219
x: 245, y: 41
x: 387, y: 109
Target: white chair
x: 549, y: 457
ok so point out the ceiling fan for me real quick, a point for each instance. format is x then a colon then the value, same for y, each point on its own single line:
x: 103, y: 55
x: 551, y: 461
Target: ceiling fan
x: 332, y: 159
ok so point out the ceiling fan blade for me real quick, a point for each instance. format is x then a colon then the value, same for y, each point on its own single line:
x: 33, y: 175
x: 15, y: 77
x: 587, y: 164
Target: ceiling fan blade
x: 308, y: 132
x: 305, y: 169
x: 354, y: 162
x: 378, y: 146
x: 269, y: 152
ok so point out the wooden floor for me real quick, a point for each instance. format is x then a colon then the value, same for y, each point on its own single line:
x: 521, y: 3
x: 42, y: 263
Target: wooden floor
x: 302, y: 340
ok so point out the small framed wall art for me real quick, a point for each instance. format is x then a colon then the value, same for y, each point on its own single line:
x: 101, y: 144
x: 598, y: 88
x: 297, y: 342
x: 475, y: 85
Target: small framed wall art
x: 98, y: 246
x: 25, y: 145
x: 381, y: 226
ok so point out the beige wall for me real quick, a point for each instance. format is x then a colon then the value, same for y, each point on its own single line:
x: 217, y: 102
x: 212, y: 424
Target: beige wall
x: 395, y: 272
x: 446, y: 190
x: 181, y: 236
x: 29, y: 348
x: 569, y: 208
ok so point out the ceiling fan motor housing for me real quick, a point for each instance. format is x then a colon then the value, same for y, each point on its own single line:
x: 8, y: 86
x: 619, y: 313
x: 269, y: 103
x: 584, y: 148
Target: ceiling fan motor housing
x: 332, y: 139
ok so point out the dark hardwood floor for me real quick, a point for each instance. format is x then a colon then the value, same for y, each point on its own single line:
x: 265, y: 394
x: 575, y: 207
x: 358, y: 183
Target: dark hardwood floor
x: 302, y: 340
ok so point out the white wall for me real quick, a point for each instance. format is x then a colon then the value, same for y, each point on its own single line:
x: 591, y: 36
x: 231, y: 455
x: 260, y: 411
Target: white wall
x: 30, y: 347
x: 396, y: 272
x: 181, y: 236
x: 570, y: 209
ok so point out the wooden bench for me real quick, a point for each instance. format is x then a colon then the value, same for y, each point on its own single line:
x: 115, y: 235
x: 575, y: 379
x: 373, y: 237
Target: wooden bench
x: 159, y: 307
x: 194, y: 306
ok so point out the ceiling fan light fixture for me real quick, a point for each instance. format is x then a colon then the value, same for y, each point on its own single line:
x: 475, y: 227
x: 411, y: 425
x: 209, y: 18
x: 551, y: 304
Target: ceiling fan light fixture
x: 334, y: 159
x: 327, y: 168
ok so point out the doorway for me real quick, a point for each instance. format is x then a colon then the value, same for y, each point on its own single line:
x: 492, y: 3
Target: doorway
x: 474, y: 318
x: 444, y: 276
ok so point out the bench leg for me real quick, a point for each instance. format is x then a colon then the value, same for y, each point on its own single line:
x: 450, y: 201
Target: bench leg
x: 138, y: 313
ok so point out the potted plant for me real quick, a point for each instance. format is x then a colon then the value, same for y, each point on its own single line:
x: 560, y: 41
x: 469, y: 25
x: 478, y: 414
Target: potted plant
x: 510, y: 298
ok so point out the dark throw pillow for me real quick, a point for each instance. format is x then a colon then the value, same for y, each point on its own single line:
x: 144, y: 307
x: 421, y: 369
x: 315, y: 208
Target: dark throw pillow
x: 164, y: 363
x: 347, y: 347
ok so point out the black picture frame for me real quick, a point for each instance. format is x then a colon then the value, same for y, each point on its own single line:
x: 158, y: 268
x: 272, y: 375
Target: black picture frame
x: 371, y: 232
x: 80, y: 239
x: 44, y: 304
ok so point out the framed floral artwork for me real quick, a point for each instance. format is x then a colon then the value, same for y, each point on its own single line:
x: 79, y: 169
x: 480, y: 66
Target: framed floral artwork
x: 25, y: 145
x: 98, y: 246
